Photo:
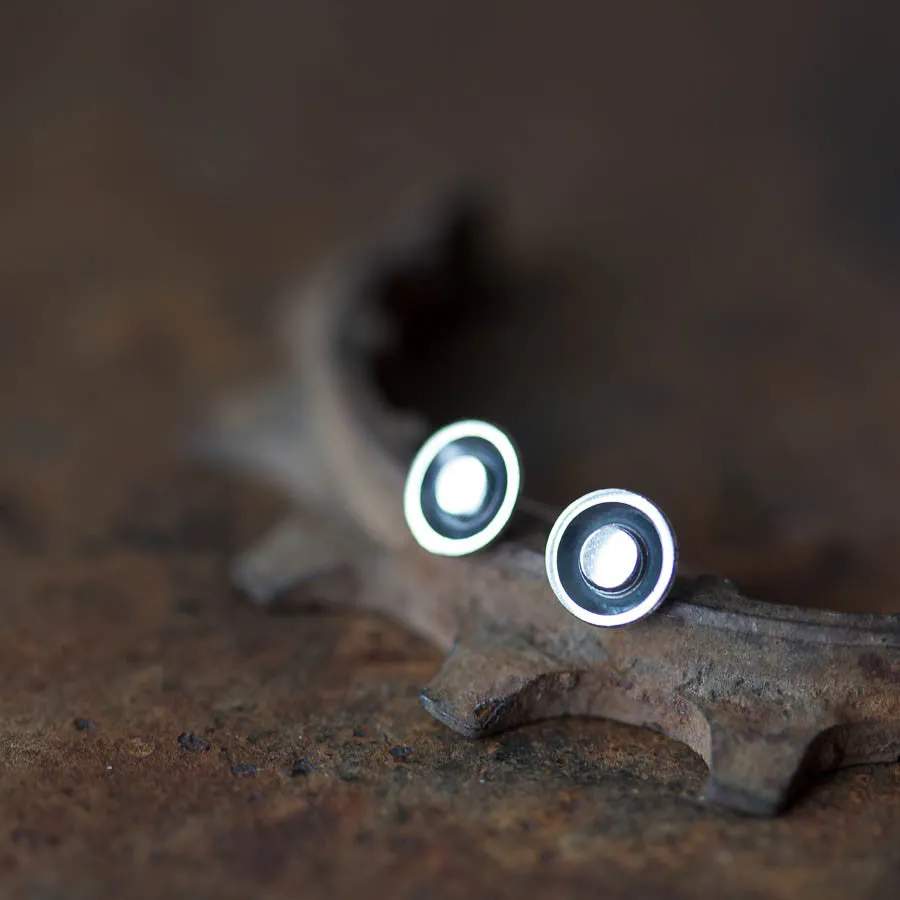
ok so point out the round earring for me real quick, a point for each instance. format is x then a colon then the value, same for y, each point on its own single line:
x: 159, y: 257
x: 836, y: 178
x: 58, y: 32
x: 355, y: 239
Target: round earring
x: 462, y: 488
x: 611, y: 557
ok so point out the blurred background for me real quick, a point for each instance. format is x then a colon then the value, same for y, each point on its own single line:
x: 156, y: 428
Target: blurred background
x: 713, y: 191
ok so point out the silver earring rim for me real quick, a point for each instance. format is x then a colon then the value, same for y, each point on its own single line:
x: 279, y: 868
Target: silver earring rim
x: 423, y: 533
x: 667, y: 542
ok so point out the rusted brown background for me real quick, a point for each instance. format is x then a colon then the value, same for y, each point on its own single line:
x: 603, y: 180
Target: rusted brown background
x: 709, y: 202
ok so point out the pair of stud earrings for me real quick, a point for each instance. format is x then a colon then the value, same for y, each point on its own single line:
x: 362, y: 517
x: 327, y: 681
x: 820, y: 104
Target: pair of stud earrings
x: 610, y: 556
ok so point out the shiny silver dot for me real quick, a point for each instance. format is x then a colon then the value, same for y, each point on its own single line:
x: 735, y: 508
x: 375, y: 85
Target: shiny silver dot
x: 461, y: 486
x: 610, y: 558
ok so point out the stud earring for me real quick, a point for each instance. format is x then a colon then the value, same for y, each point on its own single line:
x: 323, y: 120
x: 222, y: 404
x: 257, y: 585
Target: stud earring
x: 611, y: 557
x: 462, y: 488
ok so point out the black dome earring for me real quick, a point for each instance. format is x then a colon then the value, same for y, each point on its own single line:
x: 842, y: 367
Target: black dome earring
x: 462, y: 488
x: 611, y: 557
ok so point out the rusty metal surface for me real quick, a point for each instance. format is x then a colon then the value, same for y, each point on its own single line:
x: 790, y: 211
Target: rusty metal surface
x: 166, y: 168
x: 766, y: 694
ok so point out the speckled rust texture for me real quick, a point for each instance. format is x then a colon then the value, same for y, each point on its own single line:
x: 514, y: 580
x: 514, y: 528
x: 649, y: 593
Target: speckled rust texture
x: 166, y: 168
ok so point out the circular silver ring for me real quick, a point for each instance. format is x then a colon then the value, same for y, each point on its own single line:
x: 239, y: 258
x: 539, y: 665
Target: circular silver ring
x: 462, y: 488
x: 635, y: 575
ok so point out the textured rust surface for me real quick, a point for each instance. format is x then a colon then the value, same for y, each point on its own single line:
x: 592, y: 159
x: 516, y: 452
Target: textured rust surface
x: 166, y: 168
x: 768, y: 695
